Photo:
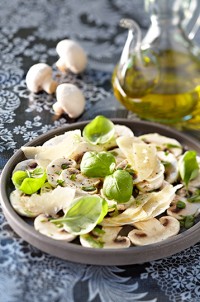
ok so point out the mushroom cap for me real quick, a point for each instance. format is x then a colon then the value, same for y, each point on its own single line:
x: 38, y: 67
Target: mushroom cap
x: 47, y: 228
x: 191, y: 208
x: 37, y: 75
x: 109, y: 238
x: 71, y: 99
x: 72, y: 55
x: 154, y: 230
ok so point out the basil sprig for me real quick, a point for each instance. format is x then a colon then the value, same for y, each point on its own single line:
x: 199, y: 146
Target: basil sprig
x: 99, y: 131
x: 97, y: 164
x: 29, y: 182
x: 118, y: 186
x: 83, y: 215
x: 188, y: 167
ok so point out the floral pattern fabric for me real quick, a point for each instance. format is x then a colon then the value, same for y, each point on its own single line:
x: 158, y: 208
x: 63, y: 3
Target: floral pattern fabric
x: 29, y: 33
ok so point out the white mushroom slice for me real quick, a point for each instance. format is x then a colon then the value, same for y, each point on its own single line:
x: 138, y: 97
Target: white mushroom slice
x: 107, y: 237
x: 191, y: 208
x: 163, y: 142
x: 39, y: 77
x: 28, y: 164
x: 155, y: 180
x: 154, y: 230
x: 72, y: 56
x: 47, y: 228
x: 70, y: 100
x: 55, y: 168
x: 48, y: 203
x: 74, y: 179
x: 171, y: 166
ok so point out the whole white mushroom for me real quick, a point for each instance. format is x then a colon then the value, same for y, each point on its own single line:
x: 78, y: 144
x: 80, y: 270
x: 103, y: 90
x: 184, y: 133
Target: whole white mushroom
x: 39, y: 77
x: 72, y: 56
x: 70, y: 100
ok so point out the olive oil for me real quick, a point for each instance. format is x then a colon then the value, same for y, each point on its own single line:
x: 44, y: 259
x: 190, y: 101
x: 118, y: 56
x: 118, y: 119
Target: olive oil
x: 172, y: 97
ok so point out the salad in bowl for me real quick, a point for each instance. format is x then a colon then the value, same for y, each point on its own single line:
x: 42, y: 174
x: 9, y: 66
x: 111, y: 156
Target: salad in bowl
x: 108, y: 188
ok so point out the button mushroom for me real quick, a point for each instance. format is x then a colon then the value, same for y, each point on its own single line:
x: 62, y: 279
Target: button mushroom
x: 107, y: 237
x: 72, y: 56
x: 72, y: 178
x: 154, y: 230
x: 39, y: 77
x: 43, y: 225
x: 70, y: 100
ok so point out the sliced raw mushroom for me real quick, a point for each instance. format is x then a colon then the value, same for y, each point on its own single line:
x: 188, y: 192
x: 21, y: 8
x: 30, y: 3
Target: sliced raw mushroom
x: 74, y: 179
x: 43, y: 225
x: 28, y: 164
x: 121, y: 161
x: 182, y: 208
x: 154, y: 230
x: 171, y: 166
x: 49, y: 203
x: 55, y: 168
x: 163, y: 143
x: 107, y: 237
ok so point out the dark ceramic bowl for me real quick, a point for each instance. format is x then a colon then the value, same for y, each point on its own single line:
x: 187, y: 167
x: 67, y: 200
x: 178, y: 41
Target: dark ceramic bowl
x: 75, y: 252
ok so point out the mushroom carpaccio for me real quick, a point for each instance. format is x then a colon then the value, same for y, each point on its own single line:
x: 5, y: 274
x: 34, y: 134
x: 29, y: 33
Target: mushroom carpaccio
x: 93, y: 184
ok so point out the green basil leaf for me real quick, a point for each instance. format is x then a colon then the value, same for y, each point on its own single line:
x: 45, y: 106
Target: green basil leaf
x: 97, y: 164
x: 29, y: 182
x: 195, y: 197
x: 99, y: 131
x: 84, y: 214
x: 18, y: 177
x: 32, y: 185
x: 37, y: 172
x: 118, y: 186
x: 188, y: 167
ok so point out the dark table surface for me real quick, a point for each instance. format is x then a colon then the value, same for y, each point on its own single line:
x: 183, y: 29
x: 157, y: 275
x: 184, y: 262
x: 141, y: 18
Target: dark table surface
x: 29, y: 33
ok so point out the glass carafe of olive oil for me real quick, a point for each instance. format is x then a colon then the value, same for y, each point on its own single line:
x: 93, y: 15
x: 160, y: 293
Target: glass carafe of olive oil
x: 158, y: 78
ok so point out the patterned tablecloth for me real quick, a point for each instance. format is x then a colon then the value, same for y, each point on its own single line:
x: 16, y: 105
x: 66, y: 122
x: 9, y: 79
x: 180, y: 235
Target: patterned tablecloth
x: 29, y: 33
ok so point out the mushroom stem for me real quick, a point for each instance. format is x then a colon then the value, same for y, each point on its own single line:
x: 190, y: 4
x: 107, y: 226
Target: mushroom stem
x: 58, y: 109
x: 60, y: 64
x: 49, y: 86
